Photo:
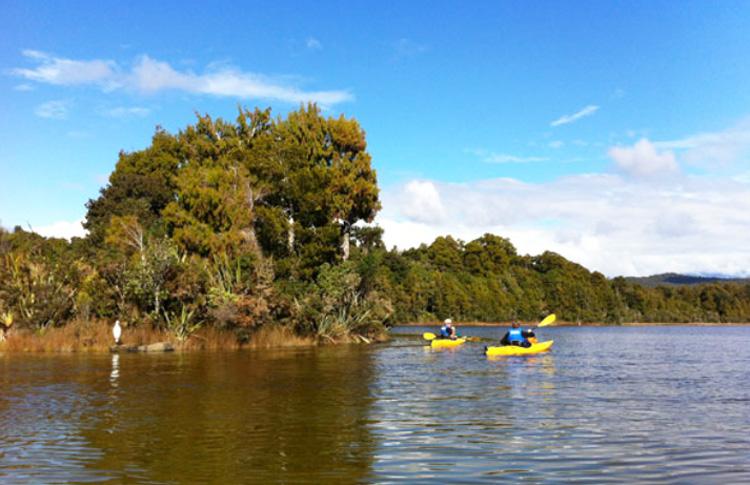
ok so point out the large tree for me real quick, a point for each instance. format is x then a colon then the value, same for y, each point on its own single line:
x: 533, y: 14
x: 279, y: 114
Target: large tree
x: 142, y: 185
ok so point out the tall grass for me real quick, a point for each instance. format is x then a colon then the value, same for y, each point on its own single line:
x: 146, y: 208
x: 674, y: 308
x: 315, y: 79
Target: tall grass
x: 96, y: 336
x: 78, y: 336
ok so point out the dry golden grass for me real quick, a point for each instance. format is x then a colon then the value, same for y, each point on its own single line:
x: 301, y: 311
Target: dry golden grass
x: 210, y: 339
x: 96, y: 336
x: 78, y: 336
x: 277, y: 336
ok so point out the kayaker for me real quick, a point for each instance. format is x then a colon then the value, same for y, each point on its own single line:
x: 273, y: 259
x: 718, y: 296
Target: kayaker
x: 517, y: 336
x: 448, y: 330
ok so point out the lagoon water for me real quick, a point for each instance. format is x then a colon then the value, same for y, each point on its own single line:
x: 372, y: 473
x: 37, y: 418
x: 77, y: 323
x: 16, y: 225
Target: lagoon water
x: 622, y: 405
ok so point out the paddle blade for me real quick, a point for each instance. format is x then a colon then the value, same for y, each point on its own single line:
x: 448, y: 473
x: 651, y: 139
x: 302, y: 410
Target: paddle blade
x: 549, y: 320
x: 428, y: 336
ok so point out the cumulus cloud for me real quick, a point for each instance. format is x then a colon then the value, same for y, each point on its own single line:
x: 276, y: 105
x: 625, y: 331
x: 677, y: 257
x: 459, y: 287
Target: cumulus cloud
x: 57, y: 110
x: 62, y: 229
x: 642, y: 159
x: 421, y: 202
x: 150, y: 76
x: 586, y: 111
x: 607, y: 222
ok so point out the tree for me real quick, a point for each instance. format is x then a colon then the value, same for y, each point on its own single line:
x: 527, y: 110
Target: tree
x: 141, y: 185
x: 329, y: 178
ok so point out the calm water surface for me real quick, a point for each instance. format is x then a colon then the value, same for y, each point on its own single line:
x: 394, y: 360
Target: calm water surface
x: 624, y: 405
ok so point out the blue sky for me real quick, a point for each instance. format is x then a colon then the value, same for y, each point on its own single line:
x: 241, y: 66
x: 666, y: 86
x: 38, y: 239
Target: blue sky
x: 615, y: 133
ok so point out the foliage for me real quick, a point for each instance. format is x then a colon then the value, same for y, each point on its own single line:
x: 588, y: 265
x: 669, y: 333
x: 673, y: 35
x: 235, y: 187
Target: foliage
x: 182, y: 325
x: 259, y: 226
x: 336, y: 307
x: 38, y: 292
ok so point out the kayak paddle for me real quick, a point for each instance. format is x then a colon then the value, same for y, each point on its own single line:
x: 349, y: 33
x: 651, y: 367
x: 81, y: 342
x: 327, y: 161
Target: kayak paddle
x: 549, y: 320
x: 432, y: 336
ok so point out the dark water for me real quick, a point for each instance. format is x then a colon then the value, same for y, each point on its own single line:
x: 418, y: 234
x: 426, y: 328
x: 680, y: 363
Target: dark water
x: 625, y: 405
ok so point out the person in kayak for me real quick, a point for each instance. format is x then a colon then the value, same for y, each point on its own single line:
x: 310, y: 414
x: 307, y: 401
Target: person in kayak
x: 517, y: 336
x: 448, y: 330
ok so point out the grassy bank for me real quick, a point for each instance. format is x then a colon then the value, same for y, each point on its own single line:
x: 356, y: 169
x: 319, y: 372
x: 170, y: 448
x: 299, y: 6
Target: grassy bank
x: 96, y: 336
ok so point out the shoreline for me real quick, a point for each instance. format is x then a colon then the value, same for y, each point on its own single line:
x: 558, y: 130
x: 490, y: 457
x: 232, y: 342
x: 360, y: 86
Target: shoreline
x: 97, y: 339
x: 577, y: 324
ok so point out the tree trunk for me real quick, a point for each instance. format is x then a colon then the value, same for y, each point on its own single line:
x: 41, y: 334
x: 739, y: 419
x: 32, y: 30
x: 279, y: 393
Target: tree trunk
x: 345, y: 240
x: 249, y: 231
x: 290, y: 240
x: 157, y: 302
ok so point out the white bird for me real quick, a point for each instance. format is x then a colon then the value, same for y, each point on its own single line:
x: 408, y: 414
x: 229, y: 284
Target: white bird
x: 117, y: 332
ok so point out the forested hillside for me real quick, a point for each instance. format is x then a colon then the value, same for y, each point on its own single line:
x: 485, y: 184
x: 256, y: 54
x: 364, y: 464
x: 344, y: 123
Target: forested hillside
x: 486, y: 280
x: 675, y: 279
x: 263, y: 222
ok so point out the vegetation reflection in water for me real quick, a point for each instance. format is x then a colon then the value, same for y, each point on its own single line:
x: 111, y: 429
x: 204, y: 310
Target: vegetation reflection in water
x: 607, y: 404
x: 224, y: 418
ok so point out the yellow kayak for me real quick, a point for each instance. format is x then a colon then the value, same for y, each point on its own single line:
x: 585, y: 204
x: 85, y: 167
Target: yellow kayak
x: 515, y: 350
x: 446, y: 343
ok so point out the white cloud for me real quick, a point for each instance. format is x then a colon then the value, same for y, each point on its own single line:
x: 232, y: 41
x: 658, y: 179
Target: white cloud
x: 556, y: 144
x: 62, y: 229
x: 420, y: 201
x: 57, y: 110
x: 587, y: 111
x: 123, y: 112
x: 642, y: 159
x: 609, y: 223
x: 56, y: 70
x: 313, y: 44
x: 490, y: 157
x: 712, y: 149
x: 23, y: 87
x: 150, y: 76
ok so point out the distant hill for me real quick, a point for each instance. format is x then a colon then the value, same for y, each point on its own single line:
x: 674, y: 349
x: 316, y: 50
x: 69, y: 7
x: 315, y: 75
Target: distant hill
x: 674, y: 279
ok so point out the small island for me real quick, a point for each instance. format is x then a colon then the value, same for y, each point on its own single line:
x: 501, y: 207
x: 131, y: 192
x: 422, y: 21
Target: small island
x: 255, y: 233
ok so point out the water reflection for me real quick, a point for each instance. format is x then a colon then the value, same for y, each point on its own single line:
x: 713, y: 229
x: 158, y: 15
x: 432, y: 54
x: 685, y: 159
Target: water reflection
x: 605, y: 405
x: 231, y: 418
x: 43, y: 411
x: 115, y: 374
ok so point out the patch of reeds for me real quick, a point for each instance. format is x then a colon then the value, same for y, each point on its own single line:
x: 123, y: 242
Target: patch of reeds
x: 78, y: 336
x: 210, y: 339
x: 96, y: 336
x: 277, y: 336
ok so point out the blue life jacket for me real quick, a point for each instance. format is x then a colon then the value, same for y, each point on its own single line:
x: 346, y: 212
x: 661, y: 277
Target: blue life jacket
x: 445, y: 332
x: 515, y: 335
